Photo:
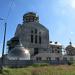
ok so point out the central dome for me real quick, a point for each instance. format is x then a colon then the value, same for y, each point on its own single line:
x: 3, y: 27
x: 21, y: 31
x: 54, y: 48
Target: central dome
x: 19, y: 53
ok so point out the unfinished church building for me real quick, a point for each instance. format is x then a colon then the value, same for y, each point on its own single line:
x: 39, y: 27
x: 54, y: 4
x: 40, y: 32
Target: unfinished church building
x: 31, y: 42
x: 32, y: 35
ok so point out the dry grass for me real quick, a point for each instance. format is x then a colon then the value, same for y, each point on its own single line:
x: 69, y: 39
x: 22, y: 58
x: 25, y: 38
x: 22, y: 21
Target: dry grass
x: 46, y: 70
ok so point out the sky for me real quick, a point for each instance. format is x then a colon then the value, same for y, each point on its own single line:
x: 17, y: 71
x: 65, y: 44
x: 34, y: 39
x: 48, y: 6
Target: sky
x: 58, y: 16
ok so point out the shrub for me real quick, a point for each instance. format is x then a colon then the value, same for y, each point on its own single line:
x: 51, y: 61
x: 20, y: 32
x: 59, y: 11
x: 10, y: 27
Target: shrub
x: 44, y: 64
x: 70, y: 62
x: 39, y: 64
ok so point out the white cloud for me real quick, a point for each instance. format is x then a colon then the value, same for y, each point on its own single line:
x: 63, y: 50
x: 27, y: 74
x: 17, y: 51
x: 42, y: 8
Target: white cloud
x: 64, y: 7
x: 72, y: 32
x: 72, y: 3
x: 67, y: 3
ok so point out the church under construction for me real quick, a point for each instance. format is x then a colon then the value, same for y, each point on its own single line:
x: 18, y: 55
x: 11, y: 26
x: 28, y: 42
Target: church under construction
x: 31, y: 43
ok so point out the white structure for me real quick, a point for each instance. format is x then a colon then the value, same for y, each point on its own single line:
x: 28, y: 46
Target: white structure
x: 55, y: 49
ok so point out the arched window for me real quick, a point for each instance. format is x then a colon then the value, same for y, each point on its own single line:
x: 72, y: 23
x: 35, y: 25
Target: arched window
x: 35, y: 38
x: 39, y: 39
x: 31, y: 31
x: 31, y: 38
x: 39, y: 33
x: 36, y: 51
x: 35, y: 31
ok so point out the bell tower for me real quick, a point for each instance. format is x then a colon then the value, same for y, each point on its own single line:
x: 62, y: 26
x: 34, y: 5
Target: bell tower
x: 30, y: 17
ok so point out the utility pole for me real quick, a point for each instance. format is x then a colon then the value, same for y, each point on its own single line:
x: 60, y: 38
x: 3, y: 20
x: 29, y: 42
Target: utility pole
x: 3, y: 48
x: 3, y: 45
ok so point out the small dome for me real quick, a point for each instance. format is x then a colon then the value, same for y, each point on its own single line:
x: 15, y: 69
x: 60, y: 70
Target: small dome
x: 69, y: 46
x: 70, y: 50
x: 19, y: 53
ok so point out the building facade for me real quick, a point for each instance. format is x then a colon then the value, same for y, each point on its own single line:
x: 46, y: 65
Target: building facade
x: 31, y: 41
x: 31, y: 34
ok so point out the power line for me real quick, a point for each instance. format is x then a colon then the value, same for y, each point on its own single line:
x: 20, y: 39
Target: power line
x: 9, y: 9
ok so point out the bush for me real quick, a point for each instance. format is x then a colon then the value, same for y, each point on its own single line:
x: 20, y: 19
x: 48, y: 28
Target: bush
x: 44, y: 64
x: 39, y: 65
x: 70, y: 62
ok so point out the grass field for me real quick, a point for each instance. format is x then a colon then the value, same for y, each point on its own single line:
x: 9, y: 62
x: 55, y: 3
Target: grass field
x: 41, y: 70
